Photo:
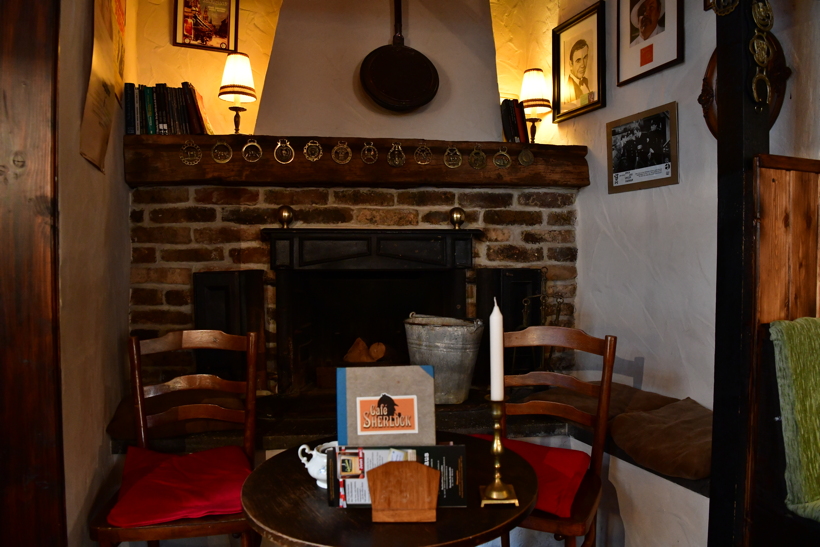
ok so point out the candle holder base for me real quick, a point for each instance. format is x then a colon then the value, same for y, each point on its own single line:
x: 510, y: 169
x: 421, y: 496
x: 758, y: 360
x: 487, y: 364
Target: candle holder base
x: 498, y: 493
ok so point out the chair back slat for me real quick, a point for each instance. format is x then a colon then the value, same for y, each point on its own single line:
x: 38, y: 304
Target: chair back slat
x: 194, y: 412
x: 543, y: 378
x: 571, y: 339
x: 196, y: 339
x: 195, y: 381
x: 559, y: 410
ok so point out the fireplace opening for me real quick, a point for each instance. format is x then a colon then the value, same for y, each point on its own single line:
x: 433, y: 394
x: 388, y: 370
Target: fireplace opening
x: 331, y: 309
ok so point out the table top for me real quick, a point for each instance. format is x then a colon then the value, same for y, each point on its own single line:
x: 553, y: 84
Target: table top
x: 284, y: 504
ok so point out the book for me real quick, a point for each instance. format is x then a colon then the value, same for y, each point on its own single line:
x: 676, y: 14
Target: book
x: 380, y: 406
x: 182, y: 111
x: 130, y: 109
x: 151, y: 120
x: 194, y: 119
x: 520, y: 121
x: 200, y: 102
x: 138, y: 114
x: 347, y: 468
x: 508, y: 121
x: 161, y: 108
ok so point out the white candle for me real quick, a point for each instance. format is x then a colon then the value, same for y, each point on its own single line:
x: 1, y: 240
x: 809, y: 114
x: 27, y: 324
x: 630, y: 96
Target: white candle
x: 496, y: 354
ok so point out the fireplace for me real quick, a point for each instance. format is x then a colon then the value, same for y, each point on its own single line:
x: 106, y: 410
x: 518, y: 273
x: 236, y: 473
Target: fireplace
x: 333, y: 286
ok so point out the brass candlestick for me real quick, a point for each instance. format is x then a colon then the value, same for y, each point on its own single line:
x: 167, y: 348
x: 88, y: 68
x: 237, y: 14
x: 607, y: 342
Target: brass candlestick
x: 497, y: 492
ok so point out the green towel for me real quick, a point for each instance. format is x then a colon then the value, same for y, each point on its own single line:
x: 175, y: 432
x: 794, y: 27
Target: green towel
x: 797, y: 361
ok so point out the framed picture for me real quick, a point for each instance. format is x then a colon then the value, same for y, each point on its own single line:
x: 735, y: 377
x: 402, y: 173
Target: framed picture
x: 643, y: 150
x: 579, y: 64
x: 650, y: 37
x: 206, y: 24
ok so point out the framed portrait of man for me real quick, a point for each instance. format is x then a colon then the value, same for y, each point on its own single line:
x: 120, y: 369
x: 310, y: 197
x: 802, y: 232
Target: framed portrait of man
x: 579, y: 64
x: 650, y: 37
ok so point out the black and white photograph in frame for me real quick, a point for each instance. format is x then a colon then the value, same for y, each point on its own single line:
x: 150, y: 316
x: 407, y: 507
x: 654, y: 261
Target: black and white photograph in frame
x: 650, y: 37
x: 643, y: 150
x: 579, y: 64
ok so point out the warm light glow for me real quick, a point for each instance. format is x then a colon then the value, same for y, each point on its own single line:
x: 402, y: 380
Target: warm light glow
x: 534, y: 94
x: 237, y: 80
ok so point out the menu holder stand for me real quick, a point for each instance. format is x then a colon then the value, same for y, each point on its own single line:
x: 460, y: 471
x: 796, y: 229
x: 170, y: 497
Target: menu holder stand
x: 403, y: 492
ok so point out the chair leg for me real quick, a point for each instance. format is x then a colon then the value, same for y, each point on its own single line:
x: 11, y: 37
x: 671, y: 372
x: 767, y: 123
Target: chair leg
x: 153, y: 543
x: 251, y: 539
x: 589, y: 540
x: 569, y: 541
x: 505, y: 539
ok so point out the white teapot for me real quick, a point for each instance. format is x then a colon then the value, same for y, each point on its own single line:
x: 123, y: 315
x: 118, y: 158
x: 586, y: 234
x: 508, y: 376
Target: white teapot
x: 317, y: 464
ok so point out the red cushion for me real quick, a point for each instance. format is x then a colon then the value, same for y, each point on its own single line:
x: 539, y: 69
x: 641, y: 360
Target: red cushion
x: 160, y: 487
x: 559, y: 470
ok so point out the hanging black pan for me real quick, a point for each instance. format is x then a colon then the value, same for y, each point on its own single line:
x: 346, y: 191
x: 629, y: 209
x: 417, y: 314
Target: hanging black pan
x: 398, y: 77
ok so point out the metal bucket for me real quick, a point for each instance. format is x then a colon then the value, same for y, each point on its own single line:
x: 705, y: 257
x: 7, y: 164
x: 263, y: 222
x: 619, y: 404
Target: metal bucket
x: 451, y: 346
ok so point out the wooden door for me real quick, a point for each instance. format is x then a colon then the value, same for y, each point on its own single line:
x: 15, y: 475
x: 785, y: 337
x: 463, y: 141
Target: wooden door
x: 31, y: 450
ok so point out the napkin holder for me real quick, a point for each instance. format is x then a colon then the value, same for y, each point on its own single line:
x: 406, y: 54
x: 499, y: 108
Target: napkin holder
x: 403, y: 492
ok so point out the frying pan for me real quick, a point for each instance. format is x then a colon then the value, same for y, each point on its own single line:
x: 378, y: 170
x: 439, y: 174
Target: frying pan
x: 398, y: 77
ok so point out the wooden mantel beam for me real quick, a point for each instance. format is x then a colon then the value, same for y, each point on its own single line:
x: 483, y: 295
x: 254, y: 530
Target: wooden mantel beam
x: 152, y: 160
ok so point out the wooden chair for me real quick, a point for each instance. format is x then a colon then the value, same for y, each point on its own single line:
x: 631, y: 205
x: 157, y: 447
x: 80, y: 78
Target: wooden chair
x: 581, y: 522
x: 105, y: 533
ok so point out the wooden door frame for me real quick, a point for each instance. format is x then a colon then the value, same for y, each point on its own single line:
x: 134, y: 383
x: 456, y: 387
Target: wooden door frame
x: 32, y: 481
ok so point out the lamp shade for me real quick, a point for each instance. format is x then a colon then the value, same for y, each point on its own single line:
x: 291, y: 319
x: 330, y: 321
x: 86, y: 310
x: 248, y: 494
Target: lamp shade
x: 237, y: 80
x: 534, y: 93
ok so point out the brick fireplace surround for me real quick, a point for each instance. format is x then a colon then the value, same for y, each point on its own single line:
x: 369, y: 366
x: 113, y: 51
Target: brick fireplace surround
x: 176, y: 231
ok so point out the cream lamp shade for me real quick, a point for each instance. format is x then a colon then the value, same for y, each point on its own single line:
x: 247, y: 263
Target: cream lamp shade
x: 237, y: 84
x: 237, y: 80
x: 534, y: 97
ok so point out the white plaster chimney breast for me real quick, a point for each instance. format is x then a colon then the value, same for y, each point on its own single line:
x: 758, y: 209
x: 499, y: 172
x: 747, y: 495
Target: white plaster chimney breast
x: 312, y: 86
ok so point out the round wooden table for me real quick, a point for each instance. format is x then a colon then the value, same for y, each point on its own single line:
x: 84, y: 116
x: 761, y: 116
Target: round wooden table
x: 284, y: 504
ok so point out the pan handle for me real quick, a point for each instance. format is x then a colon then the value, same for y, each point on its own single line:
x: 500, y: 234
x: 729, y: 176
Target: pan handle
x: 398, y: 39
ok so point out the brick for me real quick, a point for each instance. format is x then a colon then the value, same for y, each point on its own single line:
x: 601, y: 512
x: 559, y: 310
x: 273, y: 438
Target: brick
x: 364, y: 197
x: 324, y: 215
x: 146, y: 297
x: 562, y: 254
x: 143, y: 255
x: 250, y: 255
x: 512, y: 218
x: 178, y: 297
x: 250, y: 215
x: 496, y: 235
x: 546, y: 200
x: 227, y: 196
x: 485, y: 200
x: 160, y: 317
x: 160, y: 195
x: 561, y: 273
x: 182, y: 214
x: 170, y: 276
x: 564, y: 291
x: 137, y: 215
x: 222, y: 234
x: 388, y: 217
x: 196, y: 254
x: 548, y: 236
x: 426, y: 198
x: 160, y: 234
x: 436, y: 217
x: 310, y: 196
x: 514, y: 253
x: 561, y: 218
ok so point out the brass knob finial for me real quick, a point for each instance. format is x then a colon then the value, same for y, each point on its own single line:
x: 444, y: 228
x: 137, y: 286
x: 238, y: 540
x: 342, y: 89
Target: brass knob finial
x: 457, y: 217
x: 285, y: 215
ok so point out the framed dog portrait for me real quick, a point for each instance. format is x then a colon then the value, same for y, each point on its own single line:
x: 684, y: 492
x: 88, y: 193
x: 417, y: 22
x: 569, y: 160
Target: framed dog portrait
x: 579, y: 64
x: 206, y: 24
x: 650, y: 37
x: 643, y: 150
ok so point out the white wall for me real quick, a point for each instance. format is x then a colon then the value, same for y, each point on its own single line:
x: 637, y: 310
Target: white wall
x: 647, y: 259
x: 797, y: 132
x: 313, y: 86
x: 94, y: 262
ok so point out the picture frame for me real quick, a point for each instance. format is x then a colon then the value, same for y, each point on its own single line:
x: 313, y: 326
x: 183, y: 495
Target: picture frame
x: 643, y: 150
x: 650, y: 37
x: 206, y: 24
x: 579, y: 64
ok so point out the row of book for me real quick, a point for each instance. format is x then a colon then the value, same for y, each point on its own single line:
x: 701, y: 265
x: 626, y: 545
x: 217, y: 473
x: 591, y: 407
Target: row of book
x: 514, y: 121
x: 163, y: 110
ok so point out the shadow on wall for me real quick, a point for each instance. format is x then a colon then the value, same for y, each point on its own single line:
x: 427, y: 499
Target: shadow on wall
x: 625, y: 371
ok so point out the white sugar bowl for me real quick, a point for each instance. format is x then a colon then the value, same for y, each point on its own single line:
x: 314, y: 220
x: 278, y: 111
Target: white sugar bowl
x: 316, y: 461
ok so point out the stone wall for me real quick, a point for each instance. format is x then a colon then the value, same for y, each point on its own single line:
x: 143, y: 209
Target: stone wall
x: 181, y: 230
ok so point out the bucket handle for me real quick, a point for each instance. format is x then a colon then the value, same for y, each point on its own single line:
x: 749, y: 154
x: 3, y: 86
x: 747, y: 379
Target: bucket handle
x: 476, y: 321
